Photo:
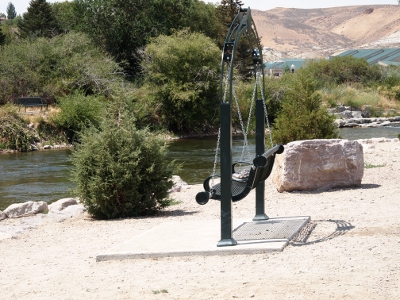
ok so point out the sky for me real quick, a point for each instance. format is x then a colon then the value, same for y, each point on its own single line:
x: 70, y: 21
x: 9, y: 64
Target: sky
x: 22, y: 5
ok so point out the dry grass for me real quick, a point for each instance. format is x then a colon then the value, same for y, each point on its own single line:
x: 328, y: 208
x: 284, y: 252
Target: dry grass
x: 358, y: 98
x: 35, y: 115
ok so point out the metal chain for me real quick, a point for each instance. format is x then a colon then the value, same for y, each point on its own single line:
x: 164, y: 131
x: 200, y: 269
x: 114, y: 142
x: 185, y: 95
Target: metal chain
x: 226, y: 86
x: 265, y: 106
x: 216, y: 156
x: 245, y: 141
x: 219, y: 129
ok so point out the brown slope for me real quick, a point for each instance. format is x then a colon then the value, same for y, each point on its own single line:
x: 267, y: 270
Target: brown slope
x: 325, y: 31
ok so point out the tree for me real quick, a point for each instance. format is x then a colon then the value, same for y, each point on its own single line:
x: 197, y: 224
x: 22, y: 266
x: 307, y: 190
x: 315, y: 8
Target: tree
x: 64, y: 13
x: 302, y: 115
x: 11, y: 13
x: 38, y: 21
x: 227, y: 11
x: 182, y: 75
x: 124, y: 27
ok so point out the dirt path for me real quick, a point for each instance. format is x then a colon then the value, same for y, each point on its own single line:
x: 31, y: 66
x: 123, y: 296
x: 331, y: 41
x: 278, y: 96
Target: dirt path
x: 352, y: 253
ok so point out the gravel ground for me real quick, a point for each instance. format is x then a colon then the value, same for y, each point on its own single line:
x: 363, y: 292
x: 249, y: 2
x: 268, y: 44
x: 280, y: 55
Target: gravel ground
x: 352, y: 251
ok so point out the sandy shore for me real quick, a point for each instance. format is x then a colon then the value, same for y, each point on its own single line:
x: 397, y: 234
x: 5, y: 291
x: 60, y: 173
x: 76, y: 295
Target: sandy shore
x: 353, y: 251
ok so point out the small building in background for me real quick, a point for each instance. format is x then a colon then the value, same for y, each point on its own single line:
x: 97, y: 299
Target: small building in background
x: 277, y: 68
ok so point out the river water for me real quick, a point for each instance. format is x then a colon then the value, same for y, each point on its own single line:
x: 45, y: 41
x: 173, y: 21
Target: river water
x: 43, y: 175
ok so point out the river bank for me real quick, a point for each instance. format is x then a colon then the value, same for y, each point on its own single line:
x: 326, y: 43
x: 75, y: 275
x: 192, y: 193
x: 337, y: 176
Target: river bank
x: 352, y: 253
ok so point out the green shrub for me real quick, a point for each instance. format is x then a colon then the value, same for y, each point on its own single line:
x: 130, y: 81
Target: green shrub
x: 349, y: 95
x: 342, y: 69
x: 52, y: 68
x: 275, y: 91
x: 121, y: 171
x: 78, y: 112
x: 181, y: 71
x: 302, y: 115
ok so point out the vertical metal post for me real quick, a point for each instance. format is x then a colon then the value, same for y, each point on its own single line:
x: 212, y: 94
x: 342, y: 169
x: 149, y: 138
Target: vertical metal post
x: 226, y: 176
x: 260, y: 149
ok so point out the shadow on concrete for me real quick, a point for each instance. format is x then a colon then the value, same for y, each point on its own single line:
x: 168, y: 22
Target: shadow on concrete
x: 304, y: 237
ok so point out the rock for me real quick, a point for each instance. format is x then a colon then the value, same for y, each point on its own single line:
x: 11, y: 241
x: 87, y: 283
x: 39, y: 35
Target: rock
x: 46, y: 147
x: 340, y: 108
x: 179, y: 184
x: 365, y: 113
x: 62, y: 204
x: 356, y: 121
x: 347, y: 114
x: 357, y: 114
x: 74, y: 210
x: 319, y: 165
x: 340, y: 123
x: 2, y: 215
x: 69, y: 212
x: 29, y: 208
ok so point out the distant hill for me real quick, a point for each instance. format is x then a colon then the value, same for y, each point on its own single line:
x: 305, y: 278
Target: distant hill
x: 313, y: 33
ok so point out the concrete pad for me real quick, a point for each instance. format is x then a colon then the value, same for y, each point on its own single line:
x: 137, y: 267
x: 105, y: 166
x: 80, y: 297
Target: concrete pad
x: 200, y: 237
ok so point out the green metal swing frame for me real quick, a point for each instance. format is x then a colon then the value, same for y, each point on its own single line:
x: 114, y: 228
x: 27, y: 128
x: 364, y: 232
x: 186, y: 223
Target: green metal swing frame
x: 261, y: 168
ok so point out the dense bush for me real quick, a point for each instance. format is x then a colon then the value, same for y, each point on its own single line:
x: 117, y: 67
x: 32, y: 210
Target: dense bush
x: 275, y: 92
x: 182, y: 75
x: 51, y: 68
x: 77, y: 113
x: 339, y: 70
x: 390, y: 84
x: 302, y: 115
x: 121, y: 171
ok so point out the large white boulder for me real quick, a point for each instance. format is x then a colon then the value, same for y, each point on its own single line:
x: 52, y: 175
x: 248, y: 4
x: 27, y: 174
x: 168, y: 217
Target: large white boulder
x: 62, y: 204
x: 29, y: 208
x: 179, y: 184
x: 319, y: 165
x: 2, y: 215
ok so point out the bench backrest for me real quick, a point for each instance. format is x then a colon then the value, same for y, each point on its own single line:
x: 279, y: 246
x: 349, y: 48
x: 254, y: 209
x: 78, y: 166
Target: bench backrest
x: 30, y: 100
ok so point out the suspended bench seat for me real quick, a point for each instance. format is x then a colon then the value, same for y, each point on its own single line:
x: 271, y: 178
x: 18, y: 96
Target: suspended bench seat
x: 243, y: 182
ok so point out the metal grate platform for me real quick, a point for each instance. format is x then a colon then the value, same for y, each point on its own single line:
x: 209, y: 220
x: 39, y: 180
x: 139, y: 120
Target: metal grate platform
x: 272, y: 229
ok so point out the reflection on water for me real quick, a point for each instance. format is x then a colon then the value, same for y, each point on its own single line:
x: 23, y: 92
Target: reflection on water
x: 37, y: 176
x: 43, y: 175
x: 197, y: 156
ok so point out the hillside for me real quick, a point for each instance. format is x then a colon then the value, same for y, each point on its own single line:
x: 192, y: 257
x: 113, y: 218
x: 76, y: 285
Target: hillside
x: 311, y: 33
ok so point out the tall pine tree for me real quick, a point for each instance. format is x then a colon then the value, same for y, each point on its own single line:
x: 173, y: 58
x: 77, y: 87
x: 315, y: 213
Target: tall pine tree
x: 11, y: 13
x: 38, y: 21
x: 226, y: 12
